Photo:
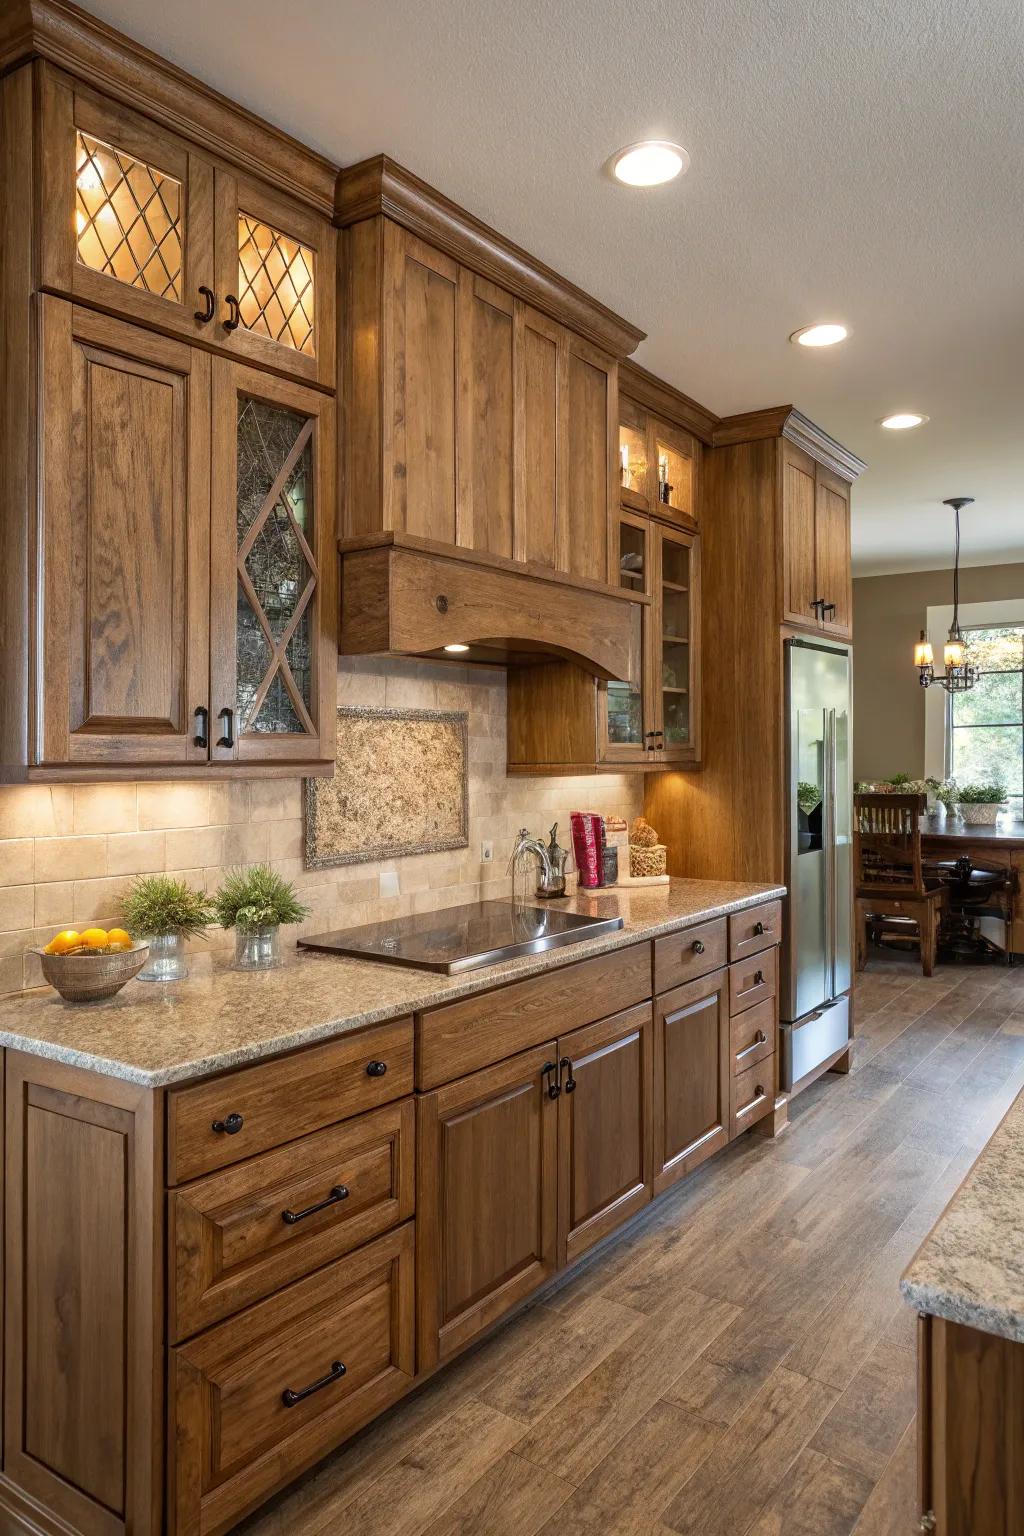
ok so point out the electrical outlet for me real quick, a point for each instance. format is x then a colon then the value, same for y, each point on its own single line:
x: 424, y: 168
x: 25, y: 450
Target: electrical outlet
x: 388, y: 883
x: 487, y: 853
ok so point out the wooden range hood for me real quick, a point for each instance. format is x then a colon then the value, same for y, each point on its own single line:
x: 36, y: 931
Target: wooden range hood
x: 479, y: 444
x: 405, y: 596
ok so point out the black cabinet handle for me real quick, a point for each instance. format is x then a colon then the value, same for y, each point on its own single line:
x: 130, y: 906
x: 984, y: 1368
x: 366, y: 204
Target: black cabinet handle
x: 234, y: 313
x: 201, y: 737
x: 227, y: 728
x: 816, y: 608
x: 229, y: 1126
x: 698, y: 946
x: 759, y: 929
x: 828, y: 609
x: 553, y: 1086
x: 204, y: 316
x: 759, y: 978
x: 759, y: 1039
x: 290, y: 1398
x: 570, y: 1081
x: 376, y: 1068
x: 339, y: 1192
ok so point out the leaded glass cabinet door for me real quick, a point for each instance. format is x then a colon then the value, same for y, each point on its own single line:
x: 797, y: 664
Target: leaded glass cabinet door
x: 676, y: 661
x: 274, y: 661
x: 127, y: 212
x: 625, y: 709
x: 276, y: 277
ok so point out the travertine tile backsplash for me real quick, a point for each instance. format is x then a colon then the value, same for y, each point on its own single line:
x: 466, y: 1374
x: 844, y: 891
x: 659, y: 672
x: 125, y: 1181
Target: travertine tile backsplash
x: 68, y: 852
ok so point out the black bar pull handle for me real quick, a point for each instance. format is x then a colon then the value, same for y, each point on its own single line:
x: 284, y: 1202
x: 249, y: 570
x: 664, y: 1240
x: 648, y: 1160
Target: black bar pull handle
x: 553, y: 1085
x: 570, y: 1081
x: 227, y: 728
x: 290, y: 1398
x: 201, y: 738
x: 234, y: 313
x: 205, y: 315
x: 339, y: 1192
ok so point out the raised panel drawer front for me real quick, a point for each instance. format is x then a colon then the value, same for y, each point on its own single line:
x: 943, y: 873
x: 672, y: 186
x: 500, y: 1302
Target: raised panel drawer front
x: 258, y: 1399
x: 755, y: 929
x: 754, y: 980
x: 243, y: 1233
x: 753, y: 1035
x: 231, y: 1117
x: 480, y: 1030
x: 752, y: 1096
x: 680, y: 957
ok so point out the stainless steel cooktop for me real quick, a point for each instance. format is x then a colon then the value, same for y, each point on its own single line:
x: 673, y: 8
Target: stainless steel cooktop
x: 462, y: 938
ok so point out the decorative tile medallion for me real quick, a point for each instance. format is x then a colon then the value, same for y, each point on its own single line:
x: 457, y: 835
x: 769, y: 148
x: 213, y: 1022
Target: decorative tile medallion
x: 400, y: 787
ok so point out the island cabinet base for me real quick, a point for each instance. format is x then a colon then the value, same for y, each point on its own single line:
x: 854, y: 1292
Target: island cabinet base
x: 970, y: 1431
x: 209, y: 1286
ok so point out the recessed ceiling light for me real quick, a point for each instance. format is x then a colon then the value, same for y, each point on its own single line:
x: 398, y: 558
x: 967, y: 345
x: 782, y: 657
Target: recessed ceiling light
x: 457, y: 647
x: 825, y: 335
x: 649, y: 164
x: 900, y: 421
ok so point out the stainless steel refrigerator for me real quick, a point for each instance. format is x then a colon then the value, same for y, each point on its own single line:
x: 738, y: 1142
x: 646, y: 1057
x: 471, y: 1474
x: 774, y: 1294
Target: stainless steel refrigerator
x: 817, y: 952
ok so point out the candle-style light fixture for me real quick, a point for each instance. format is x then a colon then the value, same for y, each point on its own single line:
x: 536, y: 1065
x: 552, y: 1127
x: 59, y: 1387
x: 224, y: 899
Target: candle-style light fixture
x: 959, y: 675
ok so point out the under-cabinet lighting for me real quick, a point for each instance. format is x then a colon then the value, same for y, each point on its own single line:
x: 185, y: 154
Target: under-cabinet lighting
x: 825, y: 334
x: 650, y: 163
x: 457, y: 647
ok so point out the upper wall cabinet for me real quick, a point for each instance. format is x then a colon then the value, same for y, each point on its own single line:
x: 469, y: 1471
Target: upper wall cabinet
x: 658, y: 466
x: 816, y: 580
x: 139, y: 222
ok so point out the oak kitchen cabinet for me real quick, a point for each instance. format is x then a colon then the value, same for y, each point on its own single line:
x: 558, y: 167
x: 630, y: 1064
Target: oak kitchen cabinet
x: 817, y: 584
x: 170, y: 595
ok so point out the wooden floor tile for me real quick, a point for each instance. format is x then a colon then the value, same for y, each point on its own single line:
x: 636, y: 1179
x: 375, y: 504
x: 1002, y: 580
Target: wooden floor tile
x: 869, y: 1420
x: 513, y: 1498
x: 892, y: 1508
x: 817, y: 1497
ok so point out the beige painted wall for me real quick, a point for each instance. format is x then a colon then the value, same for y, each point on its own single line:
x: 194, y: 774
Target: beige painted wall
x: 888, y: 700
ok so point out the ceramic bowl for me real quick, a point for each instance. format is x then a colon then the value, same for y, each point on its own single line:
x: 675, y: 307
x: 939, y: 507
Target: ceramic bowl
x: 87, y: 978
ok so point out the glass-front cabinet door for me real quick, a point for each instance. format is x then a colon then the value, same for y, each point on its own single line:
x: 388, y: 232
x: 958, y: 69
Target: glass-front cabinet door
x: 624, y: 714
x: 276, y: 280
x: 274, y: 591
x: 676, y: 685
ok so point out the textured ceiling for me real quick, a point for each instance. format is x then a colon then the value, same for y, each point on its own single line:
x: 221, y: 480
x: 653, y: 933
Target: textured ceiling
x: 861, y: 162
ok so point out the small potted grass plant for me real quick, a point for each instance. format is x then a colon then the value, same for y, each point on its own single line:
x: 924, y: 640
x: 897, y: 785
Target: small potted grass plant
x: 255, y: 902
x: 980, y: 804
x: 166, y: 912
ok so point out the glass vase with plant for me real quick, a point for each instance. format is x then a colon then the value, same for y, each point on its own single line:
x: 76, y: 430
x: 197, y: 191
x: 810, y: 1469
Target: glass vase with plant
x: 167, y: 912
x: 980, y: 804
x: 255, y: 902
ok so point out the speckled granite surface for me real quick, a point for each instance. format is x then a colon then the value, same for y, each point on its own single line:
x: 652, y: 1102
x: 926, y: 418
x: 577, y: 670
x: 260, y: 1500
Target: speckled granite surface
x: 970, y: 1268
x: 157, y: 1034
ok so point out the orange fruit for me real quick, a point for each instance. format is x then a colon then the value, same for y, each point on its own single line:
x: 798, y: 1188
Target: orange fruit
x: 63, y: 943
x: 93, y: 938
x: 119, y: 937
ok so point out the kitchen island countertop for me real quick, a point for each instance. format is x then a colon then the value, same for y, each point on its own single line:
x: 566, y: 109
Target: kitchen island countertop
x: 156, y: 1034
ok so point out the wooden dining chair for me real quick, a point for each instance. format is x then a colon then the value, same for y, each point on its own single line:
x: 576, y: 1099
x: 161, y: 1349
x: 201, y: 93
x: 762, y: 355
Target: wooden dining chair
x: 890, y: 880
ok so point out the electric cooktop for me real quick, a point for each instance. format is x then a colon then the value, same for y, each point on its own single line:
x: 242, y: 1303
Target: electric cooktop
x: 462, y: 938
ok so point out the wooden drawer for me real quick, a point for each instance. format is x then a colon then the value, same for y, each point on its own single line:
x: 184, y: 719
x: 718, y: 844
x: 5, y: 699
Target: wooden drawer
x: 281, y: 1100
x: 680, y: 957
x: 466, y: 1036
x: 238, y: 1434
x: 752, y: 1036
x: 755, y: 929
x: 754, y: 980
x: 751, y: 1096
x: 241, y: 1234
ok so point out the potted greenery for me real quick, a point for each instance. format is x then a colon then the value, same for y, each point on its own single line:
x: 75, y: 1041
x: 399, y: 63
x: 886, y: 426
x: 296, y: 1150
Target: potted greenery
x: 255, y: 902
x: 980, y: 804
x: 166, y: 912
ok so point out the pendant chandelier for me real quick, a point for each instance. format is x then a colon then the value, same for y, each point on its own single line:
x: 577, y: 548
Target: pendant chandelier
x: 959, y: 675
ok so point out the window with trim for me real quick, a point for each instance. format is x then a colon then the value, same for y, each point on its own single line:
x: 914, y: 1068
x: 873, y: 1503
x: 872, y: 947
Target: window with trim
x: 985, y: 725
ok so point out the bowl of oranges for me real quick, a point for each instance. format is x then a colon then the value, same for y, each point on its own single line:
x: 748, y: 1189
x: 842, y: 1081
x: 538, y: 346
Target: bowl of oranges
x: 93, y: 964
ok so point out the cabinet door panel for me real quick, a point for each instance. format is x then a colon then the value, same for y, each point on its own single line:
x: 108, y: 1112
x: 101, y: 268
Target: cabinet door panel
x: 486, y: 1199
x: 125, y: 541
x: 691, y: 1076
x: 126, y: 210
x: 799, y: 575
x: 485, y: 425
x: 588, y: 422
x: 675, y: 660
x: 421, y: 368
x: 277, y: 261
x: 605, y: 1136
x: 274, y: 581
x: 537, y: 463
x: 832, y: 550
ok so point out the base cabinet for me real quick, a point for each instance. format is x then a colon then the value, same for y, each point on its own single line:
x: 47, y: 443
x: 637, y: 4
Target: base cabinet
x: 691, y: 1078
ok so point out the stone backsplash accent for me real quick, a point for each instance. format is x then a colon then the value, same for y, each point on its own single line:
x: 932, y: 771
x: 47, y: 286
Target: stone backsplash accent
x: 68, y: 852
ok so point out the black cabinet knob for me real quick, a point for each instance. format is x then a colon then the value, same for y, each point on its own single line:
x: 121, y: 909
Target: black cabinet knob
x: 376, y: 1068
x: 441, y: 604
x: 698, y: 946
x: 759, y: 978
x: 230, y: 1126
x: 759, y: 929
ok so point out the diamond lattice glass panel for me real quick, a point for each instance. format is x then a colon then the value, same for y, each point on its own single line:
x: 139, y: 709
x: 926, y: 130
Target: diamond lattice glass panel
x: 299, y: 652
x: 252, y: 657
x: 266, y: 436
x: 277, y: 712
x: 127, y: 219
x: 275, y: 284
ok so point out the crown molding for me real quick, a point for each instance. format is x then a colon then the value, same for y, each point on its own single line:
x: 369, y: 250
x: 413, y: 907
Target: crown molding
x: 665, y: 402
x: 786, y: 421
x: 103, y: 57
x: 382, y: 187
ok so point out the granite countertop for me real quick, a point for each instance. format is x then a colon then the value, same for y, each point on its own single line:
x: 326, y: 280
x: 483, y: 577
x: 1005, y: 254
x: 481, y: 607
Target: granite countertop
x: 160, y: 1033
x: 970, y: 1268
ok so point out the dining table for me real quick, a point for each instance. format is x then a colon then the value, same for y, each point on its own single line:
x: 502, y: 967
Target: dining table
x: 1001, y: 845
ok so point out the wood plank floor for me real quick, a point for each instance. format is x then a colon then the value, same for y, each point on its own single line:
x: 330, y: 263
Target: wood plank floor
x: 738, y: 1360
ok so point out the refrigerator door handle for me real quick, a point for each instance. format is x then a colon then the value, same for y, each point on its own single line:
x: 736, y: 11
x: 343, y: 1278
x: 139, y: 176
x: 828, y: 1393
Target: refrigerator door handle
x: 831, y: 774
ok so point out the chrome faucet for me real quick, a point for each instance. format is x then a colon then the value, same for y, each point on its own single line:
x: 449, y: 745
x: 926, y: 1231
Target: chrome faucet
x: 553, y: 860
